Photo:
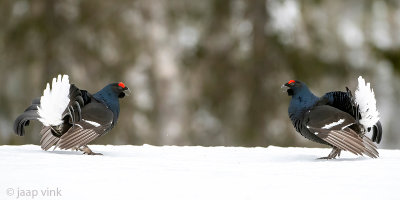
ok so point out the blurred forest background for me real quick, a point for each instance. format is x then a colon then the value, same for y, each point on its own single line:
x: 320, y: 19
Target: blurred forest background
x: 203, y: 72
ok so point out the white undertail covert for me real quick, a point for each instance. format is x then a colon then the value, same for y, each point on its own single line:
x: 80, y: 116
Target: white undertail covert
x: 54, y: 101
x: 365, y: 99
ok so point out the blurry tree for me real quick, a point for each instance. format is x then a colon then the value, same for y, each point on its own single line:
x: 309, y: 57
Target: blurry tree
x: 202, y: 72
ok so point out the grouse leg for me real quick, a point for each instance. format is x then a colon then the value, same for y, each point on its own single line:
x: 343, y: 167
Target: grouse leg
x: 335, y: 152
x: 88, y: 151
x: 75, y: 149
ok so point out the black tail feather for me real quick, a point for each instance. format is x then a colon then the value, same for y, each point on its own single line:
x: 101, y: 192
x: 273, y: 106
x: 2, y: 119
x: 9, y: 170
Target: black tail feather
x: 376, y: 129
x: 345, y: 101
x: 76, y: 102
x: 377, y: 132
x: 73, y: 113
x: 36, y: 101
x: 32, y: 107
x: 23, y: 120
x: 78, y: 98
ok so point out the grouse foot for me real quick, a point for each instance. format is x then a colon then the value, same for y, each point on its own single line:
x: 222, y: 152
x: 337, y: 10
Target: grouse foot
x: 88, y: 151
x: 335, y: 152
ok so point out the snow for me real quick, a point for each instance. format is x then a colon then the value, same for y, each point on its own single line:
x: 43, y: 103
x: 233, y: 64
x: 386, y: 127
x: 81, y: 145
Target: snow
x: 171, y: 172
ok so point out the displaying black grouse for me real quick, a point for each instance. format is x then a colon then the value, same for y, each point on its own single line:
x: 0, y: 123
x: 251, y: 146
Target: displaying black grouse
x: 72, y: 118
x: 337, y: 118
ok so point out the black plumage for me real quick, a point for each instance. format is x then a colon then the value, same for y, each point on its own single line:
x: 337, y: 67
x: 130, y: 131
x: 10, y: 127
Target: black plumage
x: 333, y: 119
x: 85, y: 118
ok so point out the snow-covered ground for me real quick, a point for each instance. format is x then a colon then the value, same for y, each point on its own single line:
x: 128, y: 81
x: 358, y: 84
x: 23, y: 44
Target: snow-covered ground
x: 170, y: 172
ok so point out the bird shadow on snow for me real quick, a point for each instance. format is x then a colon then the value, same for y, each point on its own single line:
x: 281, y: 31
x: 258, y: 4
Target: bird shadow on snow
x: 268, y: 157
x: 59, y: 152
x: 315, y: 158
x: 27, y: 149
x: 341, y: 159
x: 66, y: 152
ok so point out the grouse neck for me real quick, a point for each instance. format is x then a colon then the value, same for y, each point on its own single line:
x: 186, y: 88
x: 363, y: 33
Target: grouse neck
x: 301, y: 101
x: 109, y: 99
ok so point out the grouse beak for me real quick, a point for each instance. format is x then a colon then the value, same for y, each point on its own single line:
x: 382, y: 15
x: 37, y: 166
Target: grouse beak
x: 126, y: 91
x: 289, y: 89
x: 285, y: 85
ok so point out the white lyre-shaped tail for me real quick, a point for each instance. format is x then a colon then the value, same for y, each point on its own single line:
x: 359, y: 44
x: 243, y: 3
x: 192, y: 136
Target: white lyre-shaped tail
x: 365, y: 99
x: 54, y: 101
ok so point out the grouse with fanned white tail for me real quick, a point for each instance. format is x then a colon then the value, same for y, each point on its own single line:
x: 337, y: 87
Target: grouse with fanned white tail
x: 338, y: 119
x: 71, y: 117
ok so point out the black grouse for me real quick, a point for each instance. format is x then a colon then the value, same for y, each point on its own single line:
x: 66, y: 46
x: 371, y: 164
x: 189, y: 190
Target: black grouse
x: 337, y: 118
x: 71, y: 117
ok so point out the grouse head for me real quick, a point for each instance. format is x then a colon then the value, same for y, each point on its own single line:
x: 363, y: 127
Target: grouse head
x: 111, y: 93
x: 117, y: 89
x: 121, y: 89
x: 295, y: 87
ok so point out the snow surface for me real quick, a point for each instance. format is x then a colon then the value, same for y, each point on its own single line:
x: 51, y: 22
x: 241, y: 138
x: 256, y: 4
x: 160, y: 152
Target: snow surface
x: 170, y: 172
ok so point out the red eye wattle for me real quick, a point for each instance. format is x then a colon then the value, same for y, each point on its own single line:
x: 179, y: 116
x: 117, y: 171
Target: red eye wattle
x: 121, y: 84
x: 291, y: 81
